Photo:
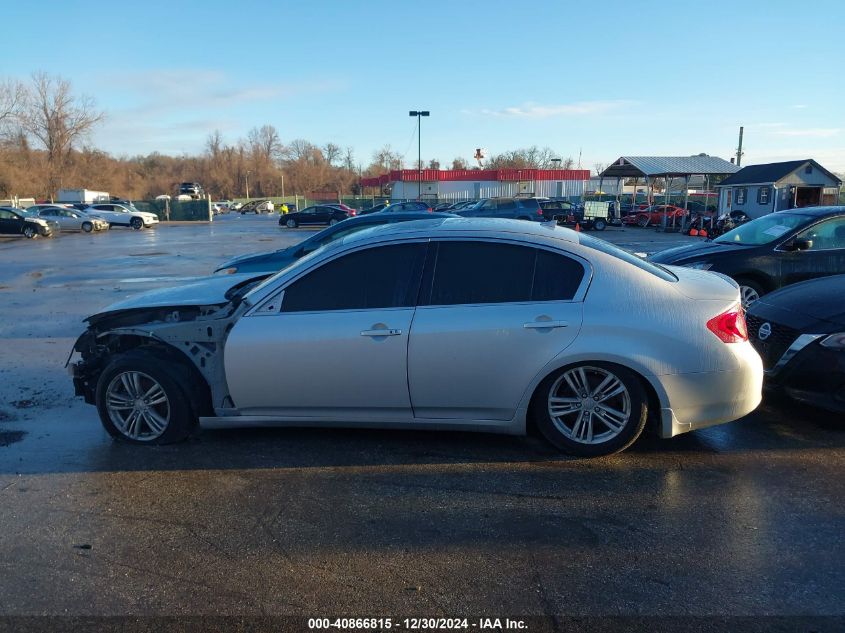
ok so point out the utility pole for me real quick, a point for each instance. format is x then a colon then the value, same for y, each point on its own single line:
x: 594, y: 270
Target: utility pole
x: 739, y: 148
x: 247, y: 185
x: 418, y: 114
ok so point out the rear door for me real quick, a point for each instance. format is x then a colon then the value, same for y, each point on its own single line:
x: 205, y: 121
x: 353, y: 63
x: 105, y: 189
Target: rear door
x: 337, y: 347
x: 491, y: 315
x: 826, y: 255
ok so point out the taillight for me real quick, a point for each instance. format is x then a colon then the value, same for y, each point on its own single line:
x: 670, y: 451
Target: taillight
x: 729, y: 326
x: 430, y: 210
x: 353, y: 212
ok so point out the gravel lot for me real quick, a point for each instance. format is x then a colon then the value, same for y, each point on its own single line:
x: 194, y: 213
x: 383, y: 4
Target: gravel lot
x: 743, y: 519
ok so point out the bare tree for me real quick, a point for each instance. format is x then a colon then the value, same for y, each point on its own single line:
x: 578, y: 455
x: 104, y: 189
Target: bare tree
x: 12, y: 98
x: 264, y: 142
x: 214, y: 144
x: 56, y: 118
x: 434, y: 164
x: 459, y: 163
x: 331, y: 152
x: 599, y: 167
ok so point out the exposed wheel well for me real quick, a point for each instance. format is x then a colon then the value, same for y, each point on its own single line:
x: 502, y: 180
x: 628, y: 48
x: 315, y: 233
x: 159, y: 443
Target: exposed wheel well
x: 195, y: 384
x: 653, y: 422
x: 761, y: 280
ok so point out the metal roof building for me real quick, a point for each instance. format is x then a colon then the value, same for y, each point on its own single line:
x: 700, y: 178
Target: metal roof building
x: 669, y: 166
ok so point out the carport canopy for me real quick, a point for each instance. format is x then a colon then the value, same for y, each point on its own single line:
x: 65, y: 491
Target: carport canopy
x: 668, y: 167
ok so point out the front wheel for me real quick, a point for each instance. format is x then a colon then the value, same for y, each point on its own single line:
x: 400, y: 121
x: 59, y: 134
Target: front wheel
x: 140, y: 400
x: 87, y: 227
x: 136, y: 223
x: 30, y: 232
x: 291, y: 223
x: 643, y: 221
x: 749, y: 291
x: 591, y: 409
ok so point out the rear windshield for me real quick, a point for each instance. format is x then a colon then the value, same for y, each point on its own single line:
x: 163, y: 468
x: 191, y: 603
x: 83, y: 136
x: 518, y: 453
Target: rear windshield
x: 531, y: 203
x: 609, y: 249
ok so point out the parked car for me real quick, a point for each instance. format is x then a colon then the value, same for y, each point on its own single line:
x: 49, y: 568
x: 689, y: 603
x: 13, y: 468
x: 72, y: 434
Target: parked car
x: 122, y: 215
x: 236, y: 206
x: 510, y: 208
x: 273, y: 261
x: 256, y: 207
x: 562, y: 210
x: 773, y: 251
x: 317, y: 215
x: 488, y: 325
x: 17, y: 222
x: 374, y: 209
x: 463, y: 204
x: 409, y: 205
x: 192, y: 189
x: 799, y: 331
x: 653, y: 215
x: 73, y: 219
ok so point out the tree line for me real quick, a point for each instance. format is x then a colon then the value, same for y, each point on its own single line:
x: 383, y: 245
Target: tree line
x: 45, y: 131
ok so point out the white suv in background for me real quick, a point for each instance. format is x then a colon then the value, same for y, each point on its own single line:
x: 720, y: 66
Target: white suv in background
x: 123, y: 215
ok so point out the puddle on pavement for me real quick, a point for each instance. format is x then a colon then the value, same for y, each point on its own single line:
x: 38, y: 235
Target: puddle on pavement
x: 144, y: 280
x: 10, y: 437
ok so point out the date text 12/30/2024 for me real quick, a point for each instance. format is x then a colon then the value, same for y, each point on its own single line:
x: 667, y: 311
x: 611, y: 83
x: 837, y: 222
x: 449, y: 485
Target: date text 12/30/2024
x: 416, y: 624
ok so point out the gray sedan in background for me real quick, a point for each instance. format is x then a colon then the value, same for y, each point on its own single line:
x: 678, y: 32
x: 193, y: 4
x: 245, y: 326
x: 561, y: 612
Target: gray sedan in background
x: 73, y: 220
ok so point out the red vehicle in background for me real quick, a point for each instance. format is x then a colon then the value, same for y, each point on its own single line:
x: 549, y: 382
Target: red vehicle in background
x: 653, y: 215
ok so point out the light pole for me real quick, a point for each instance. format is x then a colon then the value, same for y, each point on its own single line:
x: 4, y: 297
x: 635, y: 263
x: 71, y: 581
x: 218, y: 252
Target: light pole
x: 247, y: 185
x: 418, y: 114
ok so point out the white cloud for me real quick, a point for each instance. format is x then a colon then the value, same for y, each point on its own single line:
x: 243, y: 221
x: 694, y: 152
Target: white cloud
x: 532, y: 110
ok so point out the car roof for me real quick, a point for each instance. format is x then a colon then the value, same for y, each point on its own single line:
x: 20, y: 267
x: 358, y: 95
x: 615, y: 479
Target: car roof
x: 443, y: 226
x: 815, y: 211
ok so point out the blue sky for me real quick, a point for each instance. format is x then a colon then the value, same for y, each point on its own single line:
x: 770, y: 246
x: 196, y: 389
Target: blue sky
x: 606, y: 79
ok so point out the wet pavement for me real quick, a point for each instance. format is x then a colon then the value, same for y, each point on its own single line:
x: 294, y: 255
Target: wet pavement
x: 741, y: 519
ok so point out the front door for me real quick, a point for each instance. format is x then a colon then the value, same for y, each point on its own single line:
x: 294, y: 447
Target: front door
x: 337, y: 349
x: 10, y: 224
x: 491, y: 316
x: 826, y: 255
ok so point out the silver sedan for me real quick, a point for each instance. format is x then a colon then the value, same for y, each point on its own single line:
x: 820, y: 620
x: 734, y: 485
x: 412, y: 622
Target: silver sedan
x: 472, y: 324
x: 73, y: 220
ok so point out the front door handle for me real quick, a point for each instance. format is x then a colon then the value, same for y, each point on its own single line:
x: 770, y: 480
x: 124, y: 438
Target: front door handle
x: 544, y: 325
x: 382, y: 332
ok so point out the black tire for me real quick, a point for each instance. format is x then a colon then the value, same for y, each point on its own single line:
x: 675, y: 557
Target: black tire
x: 87, y: 227
x: 136, y: 223
x: 600, y: 224
x: 30, y: 232
x: 291, y: 223
x: 630, y: 430
x: 182, y: 419
x: 333, y: 221
x: 748, y: 288
x: 643, y: 221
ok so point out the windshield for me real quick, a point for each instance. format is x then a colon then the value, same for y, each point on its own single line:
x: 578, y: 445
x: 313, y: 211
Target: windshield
x: 763, y: 230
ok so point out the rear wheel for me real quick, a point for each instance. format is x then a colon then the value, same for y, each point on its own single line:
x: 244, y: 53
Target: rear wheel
x: 643, y: 221
x: 136, y: 223
x: 600, y: 224
x: 291, y: 223
x: 333, y: 221
x: 140, y: 400
x: 87, y: 227
x: 30, y: 232
x: 591, y: 409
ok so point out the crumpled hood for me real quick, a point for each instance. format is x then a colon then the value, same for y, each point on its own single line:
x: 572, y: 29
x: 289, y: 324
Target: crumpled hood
x: 203, y: 292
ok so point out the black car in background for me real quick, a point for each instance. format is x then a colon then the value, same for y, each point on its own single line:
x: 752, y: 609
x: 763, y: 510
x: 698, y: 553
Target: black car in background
x: 314, y: 216
x: 273, y: 261
x: 773, y: 251
x: 512, y: 208
x: 16, y: 222
x: 405, y: 207
x: 799, y: 331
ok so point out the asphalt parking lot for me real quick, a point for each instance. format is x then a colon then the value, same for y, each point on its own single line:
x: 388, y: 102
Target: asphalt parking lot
x: 743, y: 519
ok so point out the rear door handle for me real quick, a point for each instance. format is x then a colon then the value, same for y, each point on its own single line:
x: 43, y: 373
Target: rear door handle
x: 384, y: 332
x: 544, y: 325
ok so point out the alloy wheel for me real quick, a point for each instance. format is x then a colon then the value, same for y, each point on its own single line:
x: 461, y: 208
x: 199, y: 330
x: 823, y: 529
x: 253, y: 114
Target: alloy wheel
x: 137, y: 406
x: 589, y: 405
x: 748, y: 295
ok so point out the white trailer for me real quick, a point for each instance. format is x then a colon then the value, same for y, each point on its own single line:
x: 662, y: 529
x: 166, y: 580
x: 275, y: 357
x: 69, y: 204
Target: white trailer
x: 82, y: 195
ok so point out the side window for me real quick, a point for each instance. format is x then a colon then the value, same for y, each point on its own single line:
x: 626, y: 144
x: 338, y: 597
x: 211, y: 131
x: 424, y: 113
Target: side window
x: 310, y: 210
x: 827, y: 235
x: 763, y: 195
x: 381, y: 277
x: 505, y: 205
x: 481, y: 272
x: 740, y: 195
x: 556, y: 277
x: 5, y: 215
